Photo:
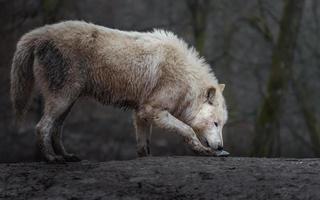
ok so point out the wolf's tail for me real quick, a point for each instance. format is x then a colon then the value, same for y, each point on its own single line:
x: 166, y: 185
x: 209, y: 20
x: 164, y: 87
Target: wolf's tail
x: 22, y: 78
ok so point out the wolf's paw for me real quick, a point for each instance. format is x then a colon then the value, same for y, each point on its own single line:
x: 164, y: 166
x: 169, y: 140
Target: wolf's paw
x: 143, y: 151
x: 71, y: 158
x: 56, y: 160
x: 206, y: 152
x: 198, y: 148
x: 202, y: 150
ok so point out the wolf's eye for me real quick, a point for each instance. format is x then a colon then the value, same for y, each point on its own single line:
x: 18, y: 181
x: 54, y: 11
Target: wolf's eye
x: 216, y: 124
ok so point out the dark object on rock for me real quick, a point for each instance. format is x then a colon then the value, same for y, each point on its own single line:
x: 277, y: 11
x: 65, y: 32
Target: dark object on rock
x: 222, y: 153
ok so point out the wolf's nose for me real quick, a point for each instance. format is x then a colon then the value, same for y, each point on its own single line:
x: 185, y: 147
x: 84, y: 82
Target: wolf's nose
x: 220, y: 148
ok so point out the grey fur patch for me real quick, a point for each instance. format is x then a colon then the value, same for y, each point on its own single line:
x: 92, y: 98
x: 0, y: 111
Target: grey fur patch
x: 55, y: 64
x: 104, y: 97
x: 126, y: 104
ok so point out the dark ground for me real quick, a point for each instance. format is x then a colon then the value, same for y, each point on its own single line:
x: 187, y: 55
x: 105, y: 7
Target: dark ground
x: 164, y: 178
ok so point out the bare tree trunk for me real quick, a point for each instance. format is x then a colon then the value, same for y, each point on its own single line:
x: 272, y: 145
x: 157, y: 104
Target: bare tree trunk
x: 266, y: 139
x: 199, y: 10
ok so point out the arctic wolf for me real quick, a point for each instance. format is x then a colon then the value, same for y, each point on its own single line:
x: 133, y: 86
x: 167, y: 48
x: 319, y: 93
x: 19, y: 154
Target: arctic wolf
x: 155, y: 74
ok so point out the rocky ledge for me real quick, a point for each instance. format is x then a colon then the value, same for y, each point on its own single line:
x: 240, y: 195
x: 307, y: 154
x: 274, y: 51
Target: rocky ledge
x: 164, y: 178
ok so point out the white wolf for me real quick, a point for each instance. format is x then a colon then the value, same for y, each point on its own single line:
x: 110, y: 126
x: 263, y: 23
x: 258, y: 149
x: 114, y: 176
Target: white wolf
x: 156, y: 74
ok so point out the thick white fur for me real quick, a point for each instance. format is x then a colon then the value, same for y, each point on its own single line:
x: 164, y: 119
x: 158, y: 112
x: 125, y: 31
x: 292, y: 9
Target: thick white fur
x: 155, y: 73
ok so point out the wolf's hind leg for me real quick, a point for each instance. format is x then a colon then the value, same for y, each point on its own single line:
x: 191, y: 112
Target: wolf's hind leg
x: 49, y: 123
x: 143, y: 131
x: 57, y: 138
x: 44, y: 130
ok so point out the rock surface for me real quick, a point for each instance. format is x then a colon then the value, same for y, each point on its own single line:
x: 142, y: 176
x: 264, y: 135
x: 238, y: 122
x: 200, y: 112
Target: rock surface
x: 164, y: 178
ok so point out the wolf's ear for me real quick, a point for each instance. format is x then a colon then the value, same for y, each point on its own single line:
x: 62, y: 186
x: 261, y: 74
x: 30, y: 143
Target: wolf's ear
x: 211, y: 92
x: 222, y: 86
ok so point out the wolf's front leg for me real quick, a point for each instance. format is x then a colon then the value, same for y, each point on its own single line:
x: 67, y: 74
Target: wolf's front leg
x: 143, y: 131
x: 164, y: 119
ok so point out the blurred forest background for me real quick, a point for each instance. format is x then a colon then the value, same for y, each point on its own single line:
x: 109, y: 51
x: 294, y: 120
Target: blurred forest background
x: 265, y: 51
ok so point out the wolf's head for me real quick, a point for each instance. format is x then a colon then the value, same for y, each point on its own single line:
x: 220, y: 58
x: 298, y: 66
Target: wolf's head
x: 209, y: 121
